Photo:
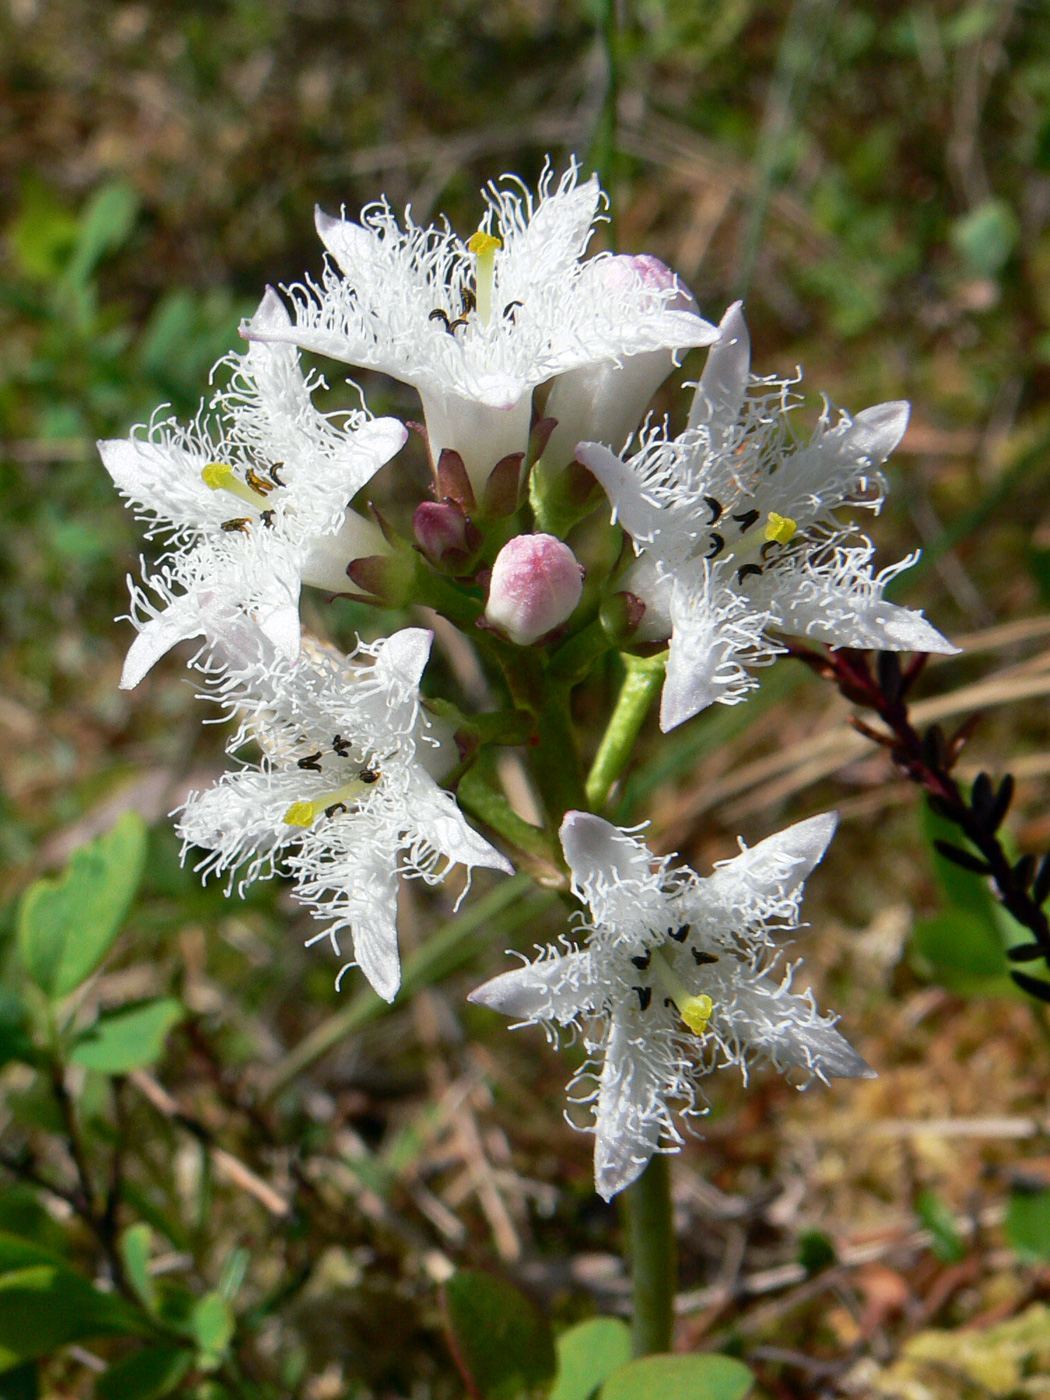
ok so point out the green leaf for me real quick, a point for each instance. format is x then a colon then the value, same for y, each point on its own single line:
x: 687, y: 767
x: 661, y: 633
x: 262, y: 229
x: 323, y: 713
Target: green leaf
x: 104, y: 224
x: 14, y: 1041
x: 704, y: 1376
x: 986, y: 236
x: 135, y: 1245
x: 212, y: 1323
x: 501, y: 1341
x: 587, y: 1354
x: 128, y: 1039
x: 43, y: 1308
x: 1028, y: 1224
x: 145, y: 1375
x: 816, y: 1251
x: 22, y: 1214
x: 948, y: 1245
x: 964, y: 953
x: 67, y: 925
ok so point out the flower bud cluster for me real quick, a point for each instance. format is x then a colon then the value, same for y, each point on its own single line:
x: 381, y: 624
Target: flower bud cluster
x: 549, y: 544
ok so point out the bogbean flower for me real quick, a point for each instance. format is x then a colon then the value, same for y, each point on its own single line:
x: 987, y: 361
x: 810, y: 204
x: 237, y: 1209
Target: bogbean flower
x: 253, y: 498
x: 475, y: 326
x: 736, y: 528
x: 677, y: 975
x: 342, y: 798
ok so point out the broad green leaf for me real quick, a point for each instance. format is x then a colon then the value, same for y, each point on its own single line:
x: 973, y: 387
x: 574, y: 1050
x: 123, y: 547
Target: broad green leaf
x: 703, y: 1376
x: 948, y: 1245
x: 104, y: 224
x: 42, y: 235
x: 17, y: 1252
x: 1028, y: 1225
x: 962, y: 889
x: 501, y: 1341
x: 22, y: 1214
x: 212, y: 1323
x: 986, y: 236
x: 14, y: 1039
x: 964, y: 953
x: 67, y: 925
x: 128, y: 1039
x: 145, y: 1375
x: 43, y: 1307
x: 135, y: 1251
x: 587, y: 1354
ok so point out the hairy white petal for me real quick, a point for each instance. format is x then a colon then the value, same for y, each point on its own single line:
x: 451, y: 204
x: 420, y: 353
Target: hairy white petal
x: 674, y: 978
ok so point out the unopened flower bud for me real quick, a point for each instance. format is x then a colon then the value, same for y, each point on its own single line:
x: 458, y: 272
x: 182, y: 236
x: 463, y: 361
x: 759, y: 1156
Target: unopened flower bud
x: 605, y: 401
x: 536, y: 583
x: 445, y: 535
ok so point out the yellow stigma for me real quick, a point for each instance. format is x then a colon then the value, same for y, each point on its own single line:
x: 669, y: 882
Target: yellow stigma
x: 220, y: 477
x: 780, y: 528
x: 301, y: 814
x: 483, y: 245
x: 696, y: 1012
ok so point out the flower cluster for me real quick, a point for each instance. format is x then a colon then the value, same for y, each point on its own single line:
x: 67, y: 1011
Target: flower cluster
x: 535, y: 365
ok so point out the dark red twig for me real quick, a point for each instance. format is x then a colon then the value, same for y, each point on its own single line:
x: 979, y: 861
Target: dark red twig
x: 879, y: 682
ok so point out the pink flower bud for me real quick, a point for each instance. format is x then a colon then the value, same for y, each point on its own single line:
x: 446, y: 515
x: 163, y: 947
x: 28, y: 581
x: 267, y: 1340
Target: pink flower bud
x: 445, y: 535
x: 620, y: 271
x: 536, y: 582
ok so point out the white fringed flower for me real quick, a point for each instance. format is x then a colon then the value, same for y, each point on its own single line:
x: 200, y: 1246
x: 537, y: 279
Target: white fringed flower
x: 474, y: 326
x: 342, y: 799
x: 736, y: 528
x: 253, y: 499
x: 678, y: 974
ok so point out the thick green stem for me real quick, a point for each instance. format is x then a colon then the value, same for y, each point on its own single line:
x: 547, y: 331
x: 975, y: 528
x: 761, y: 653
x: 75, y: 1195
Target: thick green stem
x: 643, y: 680
x: 555, y: 761
x: 653, y: 1259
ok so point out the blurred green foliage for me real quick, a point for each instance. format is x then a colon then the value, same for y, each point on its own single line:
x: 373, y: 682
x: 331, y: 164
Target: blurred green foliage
x: 874, y: 178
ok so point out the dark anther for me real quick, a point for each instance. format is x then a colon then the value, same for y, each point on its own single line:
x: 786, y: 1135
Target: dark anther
x: 310, y: 761
x: 438, y: 315
x: 982, y: 798
x: 469, y: 300
x: 1001, y: 805
x: 242, y: 523
x: 888, y: 667
x: 268, y: 517
x: 747, y: 519
x: 1034, y: 986
x: 336, y: 807
x: 509, y: 310
x: 715, y: 507
x: 256, y: 482
x: 1041, y: 888
x: 370, y: 775
x: 272, y: 473
x: 669, y: 1001
x: 770, y: 547
x: 679, y: 934
x: 717, y: 545
x: 700, y: 958
x: 1024, y: 871
x: 341, y: 747
x: 642, y: 961
x: 1025, y: 952
x: 645, y: 996
x: 958, y: 856
x: 746, y: 569
x: 453, y: 326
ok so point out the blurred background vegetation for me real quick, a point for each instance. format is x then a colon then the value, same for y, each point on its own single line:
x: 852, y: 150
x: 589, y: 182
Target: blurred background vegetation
x: 874, y: 180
